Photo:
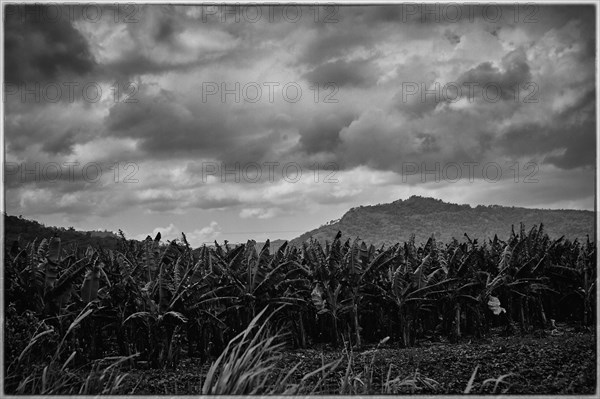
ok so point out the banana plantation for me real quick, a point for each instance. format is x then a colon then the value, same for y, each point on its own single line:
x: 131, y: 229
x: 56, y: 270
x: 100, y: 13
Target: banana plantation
x: 157, y: 303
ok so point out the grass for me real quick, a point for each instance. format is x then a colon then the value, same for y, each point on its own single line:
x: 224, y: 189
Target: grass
x: 54, y: 377
x: 258, y: 362
x: 247, y: 366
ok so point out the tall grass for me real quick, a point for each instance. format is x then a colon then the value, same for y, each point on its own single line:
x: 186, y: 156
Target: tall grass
x: 497, y: 385
x: 363, y: 382
x: 56, y: 377
x: 249, y: 366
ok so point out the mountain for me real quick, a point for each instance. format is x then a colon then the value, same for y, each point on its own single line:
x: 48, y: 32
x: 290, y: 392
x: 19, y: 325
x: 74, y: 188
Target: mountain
x: 376, y: 224
x: 397, y: 221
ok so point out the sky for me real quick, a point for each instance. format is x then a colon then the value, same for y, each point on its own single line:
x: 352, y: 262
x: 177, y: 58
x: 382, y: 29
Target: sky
x: 232, y: 123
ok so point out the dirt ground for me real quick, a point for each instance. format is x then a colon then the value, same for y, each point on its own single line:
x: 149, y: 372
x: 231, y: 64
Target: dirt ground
x: 539, y: 363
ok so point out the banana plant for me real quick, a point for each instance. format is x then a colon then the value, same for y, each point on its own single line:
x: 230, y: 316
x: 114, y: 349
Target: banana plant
x: 581, y: 279
x: 256, y: 278
x: 144, y: 293
x: 414, y: 289
x: 361, y: 263
x: 43, y: 277
x: 39, y: 266
x: 161, y: 329
x: 329, y: 295
x: 519, y: 277
x: 91, y: 282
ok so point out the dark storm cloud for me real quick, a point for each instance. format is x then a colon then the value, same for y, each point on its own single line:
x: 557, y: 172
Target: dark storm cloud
x: 428, y: 143
x: 127, y: 69
x: 369, y: 133
x: 515, y: 72
x: 157, y: 31
x: 41, y: 129
x: 452, y: 37
x: 573, y: 131
x: 413, y: 105
x: 255, y: 148
x: 322, y: 134
x: 357, y: 73
x: 38, y: 48
x: 62, y: 144
x: 529, y: 139
x: 581, y: 149
x: 165, y: 125
x: 485, y: 82
x: 42, y: 43
x: 167, y: 29
x: 169, y: 126
x: 212, y: 24
x: 330, y: 43
x: 386, y: 13
x: 415, y: 72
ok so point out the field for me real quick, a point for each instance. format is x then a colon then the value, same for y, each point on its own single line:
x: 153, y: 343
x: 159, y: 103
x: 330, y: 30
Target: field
x: 341, y: 318
x: 554, y: 364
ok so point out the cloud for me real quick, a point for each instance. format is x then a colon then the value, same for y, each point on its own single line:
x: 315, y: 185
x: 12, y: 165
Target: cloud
x: 196, y: 238
x: 322, y: 133
x: 328, y: 43
x: 165, y: 124
x: 204, y: 235
x: 365, y: 137
x: 357, y: 73
x: 259, y: 213
x: 501, y: 82
x: 452, y: 37
x: 41, y: 44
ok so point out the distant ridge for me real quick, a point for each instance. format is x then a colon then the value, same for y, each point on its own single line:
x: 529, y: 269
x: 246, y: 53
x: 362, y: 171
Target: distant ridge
x: 375, y: 224
x: 423, y: 216
x: 18, y: 228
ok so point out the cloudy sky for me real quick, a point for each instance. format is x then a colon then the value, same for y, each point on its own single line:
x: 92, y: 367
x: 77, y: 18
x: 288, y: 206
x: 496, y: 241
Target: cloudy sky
x: 236, y: 123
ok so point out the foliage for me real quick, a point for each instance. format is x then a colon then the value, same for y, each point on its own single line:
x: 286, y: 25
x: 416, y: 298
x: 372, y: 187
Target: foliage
x: 423, y: 217
x: 149, y: 299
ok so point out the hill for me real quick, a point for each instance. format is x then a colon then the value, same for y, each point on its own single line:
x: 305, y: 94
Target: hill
x: 397, y: 221
x: 376, y: 224
x: 24, y: 230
